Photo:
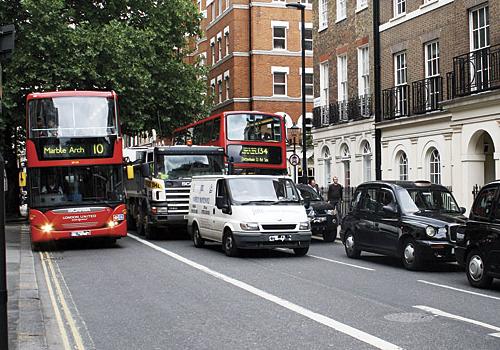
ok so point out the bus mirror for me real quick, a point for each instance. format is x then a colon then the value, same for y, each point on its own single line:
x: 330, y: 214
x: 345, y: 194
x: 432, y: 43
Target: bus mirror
x: 145, y: 170
x: 130, y: 172
x: 22, y: 179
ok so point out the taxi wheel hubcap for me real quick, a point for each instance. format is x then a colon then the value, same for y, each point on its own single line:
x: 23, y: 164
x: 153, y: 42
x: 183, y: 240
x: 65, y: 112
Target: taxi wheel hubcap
x: 409, y: 253
x: 476, y: 268
x: 349, y: 243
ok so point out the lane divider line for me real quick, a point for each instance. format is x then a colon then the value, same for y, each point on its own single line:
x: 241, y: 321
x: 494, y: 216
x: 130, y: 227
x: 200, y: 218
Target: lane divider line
x: 329, y: 322
x: 459, y: 290
x: 438, y: 312
x: 69, y: 317
x: 341, y: 263
x: 57, y: 313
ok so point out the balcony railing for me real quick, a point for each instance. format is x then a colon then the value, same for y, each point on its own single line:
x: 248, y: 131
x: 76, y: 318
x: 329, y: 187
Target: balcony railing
x: 340, y: 112
x: 474, y: 72
x: 427, y: 95
x: 396, y: 102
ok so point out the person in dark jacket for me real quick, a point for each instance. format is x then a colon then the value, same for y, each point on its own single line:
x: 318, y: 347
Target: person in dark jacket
x: 335, y: 191
x: 314, y: 186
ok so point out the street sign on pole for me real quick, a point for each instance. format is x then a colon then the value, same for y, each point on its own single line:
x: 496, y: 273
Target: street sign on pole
x: 294, y: 159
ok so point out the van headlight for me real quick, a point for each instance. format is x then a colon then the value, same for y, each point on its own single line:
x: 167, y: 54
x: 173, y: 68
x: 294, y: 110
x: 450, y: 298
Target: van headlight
x: 304, y: 225
x: 430, y: 231
x: 249, y: 226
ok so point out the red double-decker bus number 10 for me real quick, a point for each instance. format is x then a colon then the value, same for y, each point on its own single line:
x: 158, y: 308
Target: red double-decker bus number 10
x: 98, y: 149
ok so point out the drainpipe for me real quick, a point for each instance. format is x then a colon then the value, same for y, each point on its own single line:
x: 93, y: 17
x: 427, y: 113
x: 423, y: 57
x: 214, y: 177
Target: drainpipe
x: 378, y: 89
x: 250, y: 47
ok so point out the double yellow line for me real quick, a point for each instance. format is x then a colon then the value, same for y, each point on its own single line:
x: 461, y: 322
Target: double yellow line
x: 59, y: 302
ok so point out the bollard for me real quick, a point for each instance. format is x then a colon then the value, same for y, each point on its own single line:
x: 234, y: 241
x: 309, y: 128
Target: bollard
x: 4, y: 343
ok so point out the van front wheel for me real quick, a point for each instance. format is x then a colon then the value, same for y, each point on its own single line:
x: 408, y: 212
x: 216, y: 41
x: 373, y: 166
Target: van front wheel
x: 228, y: 244
x: 301, y: 251
x: 197, y: 240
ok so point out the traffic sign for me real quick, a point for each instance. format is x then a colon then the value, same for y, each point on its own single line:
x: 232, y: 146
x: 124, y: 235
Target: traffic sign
x: 294, y: 159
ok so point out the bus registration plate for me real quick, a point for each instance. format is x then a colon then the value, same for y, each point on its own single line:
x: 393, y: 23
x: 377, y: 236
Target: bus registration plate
x: 80, y: 233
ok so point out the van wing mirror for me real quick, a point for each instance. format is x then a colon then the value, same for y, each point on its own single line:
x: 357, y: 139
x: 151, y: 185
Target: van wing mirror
x: 130, y: 172
x: 145, y: 170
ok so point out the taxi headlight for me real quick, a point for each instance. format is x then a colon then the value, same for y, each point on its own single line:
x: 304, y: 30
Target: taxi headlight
x: 430, y: 231
x: 304, y: 225
x: 249, y: 226
x: 330, y: 212
x: 46, y: 228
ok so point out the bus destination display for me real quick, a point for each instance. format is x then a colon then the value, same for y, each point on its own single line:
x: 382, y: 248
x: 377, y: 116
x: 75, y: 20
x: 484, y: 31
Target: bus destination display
x: 255, y: 154
x: 75, y: 150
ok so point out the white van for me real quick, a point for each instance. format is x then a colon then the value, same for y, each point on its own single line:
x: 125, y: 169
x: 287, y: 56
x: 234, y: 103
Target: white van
x: 248, y: 211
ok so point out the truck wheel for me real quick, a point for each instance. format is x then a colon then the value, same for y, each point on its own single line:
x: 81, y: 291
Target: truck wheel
x: 197, y: 240
x: 131, y: 224
x: 300, y: 251
x: 149, y: 230
x: 475, y: 270
x: 329, y: 236
x: 410, y: 255
x: 229, y: 245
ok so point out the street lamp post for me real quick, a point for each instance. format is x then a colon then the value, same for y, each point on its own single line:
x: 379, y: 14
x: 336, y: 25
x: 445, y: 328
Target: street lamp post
x: 302, y: 7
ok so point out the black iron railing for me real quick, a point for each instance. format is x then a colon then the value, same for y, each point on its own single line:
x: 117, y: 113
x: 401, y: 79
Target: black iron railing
x: 427, y: 95
x: 340, y: 112
x: 474, y: 72
x: 396, y: 102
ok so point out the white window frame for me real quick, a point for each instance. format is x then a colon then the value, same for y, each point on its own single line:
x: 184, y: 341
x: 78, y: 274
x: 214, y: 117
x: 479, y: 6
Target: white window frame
x: 219, y: 5
x: 323, y: 14
x: 212, y: 50
x: 219, y: 46
x: 435, y: 167
x: 219, y: 89
x: 308, y: 27
x: 342, y: 86
x: 361, y: 5
x: 367, y: 161
x: 363, y: 71
x: 399, y: 7
x: 203, y: 59
x: 283, y: 25
x: 480, y: 66
x: 403, y: 166
x: 280, y: 70
x: 401, y: 79
x: 212, y: 89
x: 226, y: 81
x: 309, y: 72
x: 432, y: 70
x: 213, y: 11
x: 324, y: 90
x: 341, y: 10
x: 226, y: 39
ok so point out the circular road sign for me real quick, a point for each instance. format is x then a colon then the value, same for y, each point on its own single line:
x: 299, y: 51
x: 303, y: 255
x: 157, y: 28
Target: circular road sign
x: 294, y: 159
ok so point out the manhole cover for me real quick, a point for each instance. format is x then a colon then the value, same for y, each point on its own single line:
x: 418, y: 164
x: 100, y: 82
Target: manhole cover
x: 409, y: 317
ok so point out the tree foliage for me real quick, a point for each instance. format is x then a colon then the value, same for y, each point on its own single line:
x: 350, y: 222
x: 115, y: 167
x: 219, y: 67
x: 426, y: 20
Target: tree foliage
x: 135, y: 47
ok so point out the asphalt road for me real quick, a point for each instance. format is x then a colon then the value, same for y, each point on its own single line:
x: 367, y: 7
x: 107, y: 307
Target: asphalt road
x: 167, y: 294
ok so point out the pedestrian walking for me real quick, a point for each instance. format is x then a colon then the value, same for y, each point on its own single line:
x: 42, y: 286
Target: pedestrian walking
x: 335, y: 191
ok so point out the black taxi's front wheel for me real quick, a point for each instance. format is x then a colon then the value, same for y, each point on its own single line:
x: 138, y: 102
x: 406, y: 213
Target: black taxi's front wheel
x: 475, y: 270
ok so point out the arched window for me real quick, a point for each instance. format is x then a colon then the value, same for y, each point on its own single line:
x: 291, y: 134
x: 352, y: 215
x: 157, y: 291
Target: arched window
x: 367, y: 162
x: 345, y: 155
x: 403, y: 166
x: 435, y: 167
x: 327, y: 163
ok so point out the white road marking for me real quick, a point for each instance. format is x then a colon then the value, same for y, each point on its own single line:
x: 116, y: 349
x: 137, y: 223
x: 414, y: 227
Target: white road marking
x: 437, y: 312
x: 459, y: 290
x: 341, y: 327
x: 341, y: 262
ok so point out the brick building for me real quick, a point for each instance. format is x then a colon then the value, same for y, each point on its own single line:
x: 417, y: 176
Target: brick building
x: 343, y: 131
x: 440, y: 80
x: 252, y: 50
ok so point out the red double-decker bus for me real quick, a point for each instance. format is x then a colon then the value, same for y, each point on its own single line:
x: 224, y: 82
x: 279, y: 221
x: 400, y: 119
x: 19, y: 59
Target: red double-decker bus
x: 75, y: 166
x: 254, y: 142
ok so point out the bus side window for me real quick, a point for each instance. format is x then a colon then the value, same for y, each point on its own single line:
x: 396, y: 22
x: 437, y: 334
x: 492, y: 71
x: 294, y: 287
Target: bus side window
x: 215, y: 130
x: 207, y: 134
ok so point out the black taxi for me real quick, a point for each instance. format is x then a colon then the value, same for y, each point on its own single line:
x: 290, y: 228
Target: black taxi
x: 416, y: 221
x: 320, y: 213
x: 478, y: 245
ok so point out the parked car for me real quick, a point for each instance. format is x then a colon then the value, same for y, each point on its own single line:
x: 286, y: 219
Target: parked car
x: 478, y: 244
x: 248, y: 212
x: 414, y: 220
x: 320, y: 213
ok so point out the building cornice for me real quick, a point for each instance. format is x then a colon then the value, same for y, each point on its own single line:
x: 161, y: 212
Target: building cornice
x: 280, y: 53
x: 225, y: 13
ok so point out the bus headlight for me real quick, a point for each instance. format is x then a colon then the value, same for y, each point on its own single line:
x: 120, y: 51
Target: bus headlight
x: 46, y: 228
x: 112, y: 223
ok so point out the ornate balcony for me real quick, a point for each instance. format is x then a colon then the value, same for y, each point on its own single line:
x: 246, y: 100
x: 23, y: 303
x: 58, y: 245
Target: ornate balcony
x: 427, y: 95
x: 474, y: 72
x: 356, y: 108
x: 396, y: 102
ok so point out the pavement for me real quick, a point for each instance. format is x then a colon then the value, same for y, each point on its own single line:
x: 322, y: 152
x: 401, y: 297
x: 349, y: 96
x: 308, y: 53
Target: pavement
x: 24, y: 308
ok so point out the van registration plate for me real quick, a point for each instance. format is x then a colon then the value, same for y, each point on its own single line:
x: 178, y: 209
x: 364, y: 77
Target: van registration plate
x: 281, y: 238
x: 80, y: 233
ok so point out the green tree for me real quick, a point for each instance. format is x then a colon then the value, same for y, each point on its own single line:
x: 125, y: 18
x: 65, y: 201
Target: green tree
x: 135, y: 47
